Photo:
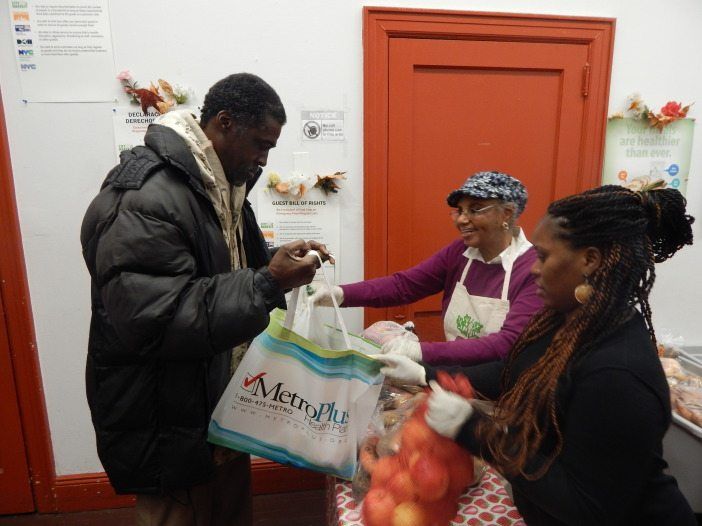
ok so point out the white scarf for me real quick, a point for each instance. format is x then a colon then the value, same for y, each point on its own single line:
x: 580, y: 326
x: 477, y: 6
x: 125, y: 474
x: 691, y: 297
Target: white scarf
x: 226, y: 198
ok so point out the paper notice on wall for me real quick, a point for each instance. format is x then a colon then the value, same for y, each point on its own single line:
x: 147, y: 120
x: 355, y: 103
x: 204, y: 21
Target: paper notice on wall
x: 314, y: 216
x: 63, y: 50
x: 322, y: 125
x: 637, y: 155
x: 130, y: 124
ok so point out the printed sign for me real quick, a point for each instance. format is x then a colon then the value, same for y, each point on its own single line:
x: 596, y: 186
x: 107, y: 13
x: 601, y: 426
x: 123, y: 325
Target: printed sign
x: 322, y: 125
x: 314, y: 216
x: 637, y: 155
x: 63, y: 50
x: 130, y: 124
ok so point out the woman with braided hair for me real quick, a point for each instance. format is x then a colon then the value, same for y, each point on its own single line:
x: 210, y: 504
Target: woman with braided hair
x: 582, y: 403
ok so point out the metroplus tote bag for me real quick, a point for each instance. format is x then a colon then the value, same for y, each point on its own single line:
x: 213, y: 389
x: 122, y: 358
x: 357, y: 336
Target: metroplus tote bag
x: 300, y: 402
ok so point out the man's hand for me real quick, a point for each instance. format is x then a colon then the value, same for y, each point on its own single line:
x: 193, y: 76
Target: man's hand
x: 323, y: 252
x: 446, y: 411
x: 401, y: 369
x: 291, y: 266
x: 404, y: 347
x: 323, y: 296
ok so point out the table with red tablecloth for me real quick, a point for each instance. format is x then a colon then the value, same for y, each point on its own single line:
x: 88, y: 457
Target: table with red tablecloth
x: 483, y: 504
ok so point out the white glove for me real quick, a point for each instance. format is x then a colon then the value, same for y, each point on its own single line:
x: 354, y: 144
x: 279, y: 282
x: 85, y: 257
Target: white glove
x: 446, y: 411
x: 323, y: 296
x: 403, y: 347
x: 401, y: 369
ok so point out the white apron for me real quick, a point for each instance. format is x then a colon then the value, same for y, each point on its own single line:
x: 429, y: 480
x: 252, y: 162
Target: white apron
x: 475, y: 316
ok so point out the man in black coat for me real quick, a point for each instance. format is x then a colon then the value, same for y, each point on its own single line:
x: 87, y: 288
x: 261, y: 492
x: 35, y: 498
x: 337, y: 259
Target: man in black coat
x: 181, y: 276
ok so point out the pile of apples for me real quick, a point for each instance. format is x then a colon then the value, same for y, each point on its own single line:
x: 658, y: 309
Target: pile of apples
x: 421, y: 484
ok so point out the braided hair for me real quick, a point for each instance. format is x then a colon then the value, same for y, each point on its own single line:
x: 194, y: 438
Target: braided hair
x: 632, y: 230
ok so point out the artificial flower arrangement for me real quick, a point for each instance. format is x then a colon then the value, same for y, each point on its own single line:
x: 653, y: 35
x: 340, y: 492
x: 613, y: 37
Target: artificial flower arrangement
x: 297, y: 184
x: 162, y: 98
x: 637, y: 109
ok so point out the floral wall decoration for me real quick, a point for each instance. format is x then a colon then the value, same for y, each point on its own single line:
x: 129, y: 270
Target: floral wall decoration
x: 637, y: 109
x: 297, y: 184
x: 162, y: 97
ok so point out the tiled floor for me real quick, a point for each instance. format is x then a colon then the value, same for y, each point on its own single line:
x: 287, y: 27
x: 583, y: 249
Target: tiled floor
x: 304, y: 508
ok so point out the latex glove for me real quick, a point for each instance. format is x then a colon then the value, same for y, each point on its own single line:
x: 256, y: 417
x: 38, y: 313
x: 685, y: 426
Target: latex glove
x: 403, y: 347
x: 446, y: 411
x: 401, y: 369
x: 323, y: 296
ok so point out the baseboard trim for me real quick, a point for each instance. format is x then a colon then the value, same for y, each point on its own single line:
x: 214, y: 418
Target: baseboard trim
x: 87, y: 491
x: 92, y: 491
x: 271, y: 477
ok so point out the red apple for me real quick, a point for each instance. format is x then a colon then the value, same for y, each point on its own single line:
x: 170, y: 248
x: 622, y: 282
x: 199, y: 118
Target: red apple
x: 447, y: 449
x: 384, y: 469
x: 417, y: 435
x: 412, y: 457
x: 461, y: 473
x: 431, y: 477
x: 378, y: 507
x: 403, y: 487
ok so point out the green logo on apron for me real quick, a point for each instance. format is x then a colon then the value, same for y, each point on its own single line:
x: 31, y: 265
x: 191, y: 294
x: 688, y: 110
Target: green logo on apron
x: 467, y: 326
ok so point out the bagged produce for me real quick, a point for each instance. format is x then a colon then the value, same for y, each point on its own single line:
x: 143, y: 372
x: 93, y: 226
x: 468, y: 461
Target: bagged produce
x: 416, y: 475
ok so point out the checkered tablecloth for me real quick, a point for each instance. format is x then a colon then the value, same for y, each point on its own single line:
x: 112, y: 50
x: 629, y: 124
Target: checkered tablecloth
x: 484, y: 504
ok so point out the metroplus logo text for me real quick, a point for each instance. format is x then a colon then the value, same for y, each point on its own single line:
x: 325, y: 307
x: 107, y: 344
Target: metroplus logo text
x: 322, y: 416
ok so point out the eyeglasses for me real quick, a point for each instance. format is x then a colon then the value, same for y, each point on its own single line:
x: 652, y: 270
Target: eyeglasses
x: 455, y: 213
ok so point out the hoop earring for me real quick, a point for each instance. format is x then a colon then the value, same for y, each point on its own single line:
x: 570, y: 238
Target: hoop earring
x: 505, y: 225
x: 584, y: 292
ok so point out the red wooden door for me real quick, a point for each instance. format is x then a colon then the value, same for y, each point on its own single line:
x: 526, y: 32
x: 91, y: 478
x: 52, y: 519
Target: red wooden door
x: 518, y: 104
x: 15, y: 490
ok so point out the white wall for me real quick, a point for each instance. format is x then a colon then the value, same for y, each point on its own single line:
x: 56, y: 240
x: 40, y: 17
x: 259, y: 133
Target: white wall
x: 311, y: 52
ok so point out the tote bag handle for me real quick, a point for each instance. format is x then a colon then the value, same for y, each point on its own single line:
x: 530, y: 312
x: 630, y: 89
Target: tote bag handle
x: 292, y: 305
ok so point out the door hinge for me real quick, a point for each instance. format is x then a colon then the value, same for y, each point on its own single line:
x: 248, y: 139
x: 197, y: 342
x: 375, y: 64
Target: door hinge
x: 586, y: 80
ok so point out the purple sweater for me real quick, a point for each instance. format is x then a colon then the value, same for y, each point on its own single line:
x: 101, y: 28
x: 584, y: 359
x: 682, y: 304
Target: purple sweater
x: 439, y: 273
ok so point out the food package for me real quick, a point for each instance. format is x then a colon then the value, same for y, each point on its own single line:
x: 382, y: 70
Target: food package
x: 687, y: 401
x: 382, y: 332
x: 669, y: 345
x: 412, y: 475
x: 685, y: 390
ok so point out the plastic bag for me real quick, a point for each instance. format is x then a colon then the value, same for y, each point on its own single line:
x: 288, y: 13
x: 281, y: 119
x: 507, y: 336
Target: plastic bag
x: 301, y: 402
x: 309, y: 322
x: 408, y: 472
x: 394, y: 406
x: 382, y: 332
x: 669, y: 344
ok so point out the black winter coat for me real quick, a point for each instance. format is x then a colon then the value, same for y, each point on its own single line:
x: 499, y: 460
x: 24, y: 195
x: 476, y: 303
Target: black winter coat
x: 614, y: 410
x: 166, y: 312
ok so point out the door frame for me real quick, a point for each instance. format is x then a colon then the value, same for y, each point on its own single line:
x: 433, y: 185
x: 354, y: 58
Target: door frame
x: 20, y: 334
x: 380, y: 24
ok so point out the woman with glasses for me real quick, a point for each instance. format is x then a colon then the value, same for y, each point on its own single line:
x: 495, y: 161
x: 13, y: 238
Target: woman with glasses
x: 581, y: 402
x: 488, y: 292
